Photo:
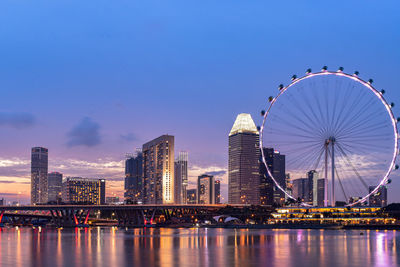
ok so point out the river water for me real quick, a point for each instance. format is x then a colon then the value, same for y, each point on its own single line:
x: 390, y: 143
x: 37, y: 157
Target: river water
x: 197, y: 247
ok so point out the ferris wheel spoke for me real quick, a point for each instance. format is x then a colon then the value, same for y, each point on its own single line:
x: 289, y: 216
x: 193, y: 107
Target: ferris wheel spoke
x: 354, y: 105
x: 313, y: 112
x: 361, y: 122
x: 341, y: 185
x: 364, y: 129
x: 345, y: 107
x: 352, y: 118
x: 281, y: 120
x: 295, y: 102
x: 356, y: 188
x: 352, y: 166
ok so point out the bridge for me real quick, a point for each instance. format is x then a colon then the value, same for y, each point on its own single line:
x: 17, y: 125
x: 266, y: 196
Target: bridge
x: 132, y: 215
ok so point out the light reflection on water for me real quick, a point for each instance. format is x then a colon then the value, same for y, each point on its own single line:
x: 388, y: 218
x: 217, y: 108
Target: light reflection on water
x: 196, y: 247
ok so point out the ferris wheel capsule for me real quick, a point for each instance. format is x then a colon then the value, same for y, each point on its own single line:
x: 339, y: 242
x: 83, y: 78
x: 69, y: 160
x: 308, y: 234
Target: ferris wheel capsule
x: 308, y: 71
x: 391, y: 104
x: 324, y: 68
x: 370, y: 81
x: 294, y: 77
x: 356, y: 73
x: 389, y: 181
x: 341, y: 69
x: 280, y: 86
x: 258, y: 128
x: 382, y: 91
x: 262, y: 112
x: 396, y: 167
x: 398, y: 119
x: 270, y: 98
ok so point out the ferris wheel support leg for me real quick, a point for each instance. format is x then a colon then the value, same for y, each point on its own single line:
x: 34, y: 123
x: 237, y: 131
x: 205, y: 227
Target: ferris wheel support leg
x: 326, y: 177
x: 333, y: 174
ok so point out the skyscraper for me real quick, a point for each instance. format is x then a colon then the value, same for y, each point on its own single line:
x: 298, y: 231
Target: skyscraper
x: 54, y: 180
x: 205, y: 189
x: 269, y: 193
x: 244, y: 153
x: 217, y: 190
x: 158, y: 170
x: 312, y: 187
x: 379, y: 199
x: 181, y: 178
x: 134, y: 178
x: 321, y: 192
x: 77, y: 190
x: 39, y: 169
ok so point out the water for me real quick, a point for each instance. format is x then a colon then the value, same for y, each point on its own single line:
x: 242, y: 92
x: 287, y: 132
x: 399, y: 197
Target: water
x: 197, y: 247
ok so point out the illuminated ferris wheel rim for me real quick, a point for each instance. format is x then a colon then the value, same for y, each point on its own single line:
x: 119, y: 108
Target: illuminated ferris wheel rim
x: 355, y: 78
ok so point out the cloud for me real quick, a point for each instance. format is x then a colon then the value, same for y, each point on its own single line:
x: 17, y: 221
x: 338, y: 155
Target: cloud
x: 13, y: 182
x: 129, y: 137
x: 17, y: 120
x: 86, y: 133
x: 217, y: 173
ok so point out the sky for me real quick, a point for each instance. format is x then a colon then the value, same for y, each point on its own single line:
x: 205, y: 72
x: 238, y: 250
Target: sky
x: 93, y: 80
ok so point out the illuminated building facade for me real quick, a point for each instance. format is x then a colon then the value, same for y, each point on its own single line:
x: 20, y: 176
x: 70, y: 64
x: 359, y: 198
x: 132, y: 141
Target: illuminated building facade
x: 134, y: 178
x: 312, y: 187
x: 77, y: 190
x: 321, y: 192
x: 244, y: 168
x: 158, y: 171
x: 181, y: 178
x: 205, y: 189
x: 217, y: 187
x: 379, y: 199
x: 331, y: 216
x: 191, y: 196
x: 39, y: 169
x: 54, y: 180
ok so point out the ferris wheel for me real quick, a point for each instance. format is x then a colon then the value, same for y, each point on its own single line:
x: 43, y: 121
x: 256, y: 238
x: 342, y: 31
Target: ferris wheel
x: 335, y: 130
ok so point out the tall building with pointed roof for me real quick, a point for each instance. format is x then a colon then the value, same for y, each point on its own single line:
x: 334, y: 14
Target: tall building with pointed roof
x: 244, y: 153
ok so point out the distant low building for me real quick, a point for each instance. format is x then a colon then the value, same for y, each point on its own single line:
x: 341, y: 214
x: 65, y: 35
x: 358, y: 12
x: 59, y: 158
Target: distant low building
x: 112, y: 200
x: 191, y: 196
x: 77, y: 190
x: 379, y: 199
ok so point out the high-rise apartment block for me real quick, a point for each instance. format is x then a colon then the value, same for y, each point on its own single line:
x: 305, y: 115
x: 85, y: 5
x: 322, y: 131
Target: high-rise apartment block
x: 39, y: 169
x: 54, y: 181
x: 77, y: 190
x: 134, y: 178
x: 158, y: 170
x: 205, y: 189
x: 244, y: 154
x: 312, y: 187
x: 181, y: 178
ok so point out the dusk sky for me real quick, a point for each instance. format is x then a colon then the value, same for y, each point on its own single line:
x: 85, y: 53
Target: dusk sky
x: 92, y: 81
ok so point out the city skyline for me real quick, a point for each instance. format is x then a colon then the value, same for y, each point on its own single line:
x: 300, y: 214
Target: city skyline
x: 207, y: 86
